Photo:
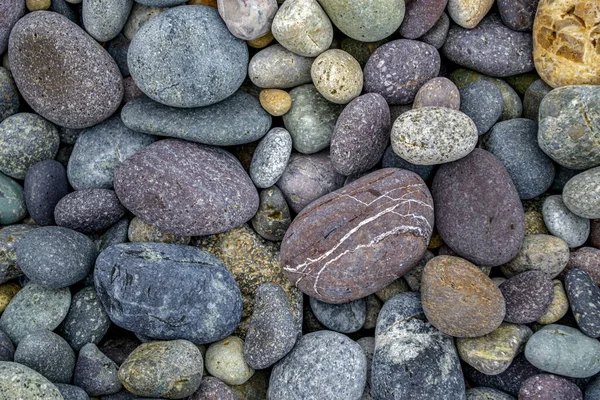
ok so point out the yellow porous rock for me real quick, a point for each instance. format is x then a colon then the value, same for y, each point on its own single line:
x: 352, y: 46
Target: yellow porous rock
x: 7, y: 292
x: 275, y: 101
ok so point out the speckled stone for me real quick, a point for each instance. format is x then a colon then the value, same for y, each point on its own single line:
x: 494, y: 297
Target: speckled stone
x: 212, y: 388
x: 518, y: 15
x: 482, y: 102
x: 323, y: 255
x: 86, y: 321
x: 163, y: 183
x: 581, y: 194
x: 562, y: 176
x: 413, y: 139
x: 89, y: 210
x: 10, y: 12
x: 103, y: 20
x: 118, y: 48
x: 236, y: 120
x: 410, y: 355
x: 559, y: 306
x: 545, y: 253
x: 277, y: 67
x: 515, y: 143
x: 323, y: 364
x: 271, y: 157
x: 273, y: 328
x: 491, y: 48
x: 200, y: 61
x: 528, y: 296
x: 45, y: 184
x: 25, y: 139
x: 95, y: 372
x: 436, y: 36
x: 486, y: 393
x: 64, y: 75
x: 360, y: 135
x: 20, y: 382
x: 592, y: 390
x: 275, y: 101
x: 367, y: 344
x: 392, y: 160
x: 584, y: 298
x: 55, y: 257
x: 140, y: 231
x: 273, y: 216
x: 311, y: 120
x: 9, y: 95
x: 9, y: 237
x: 129, y: 278
x: 139, y: 16
x: 478, y: 211
x: 545, y: 386
x: 307, y: 178
x: 62, y: 7
x: 586, y: 259
x: 48, y: 354
x: 569, y: 117
x: 7, y: 348
x: 225, y: 360
x: 72, y: 392
x: 533, y: 98
x: 337, y: 76
x: 116, y: 234
x: 563, y: 223
x: 438, y: 92
x: 563, y: 350
x: 467, y: 13
x: 344, y: 318
x: 248, y: 20
x: 420, y: 17
x: 388, y: 73
x: 34, y: 308
x: 493, y: 353
x: 170, y: 369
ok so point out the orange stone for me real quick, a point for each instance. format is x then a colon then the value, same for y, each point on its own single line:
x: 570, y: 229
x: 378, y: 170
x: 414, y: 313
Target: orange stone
x: 210, y: 3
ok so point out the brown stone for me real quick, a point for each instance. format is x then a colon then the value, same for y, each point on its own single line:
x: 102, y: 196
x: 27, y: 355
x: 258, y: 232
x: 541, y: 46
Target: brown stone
x: 354, y: 241
x: 566, y: 42
x: 595, y: 233
x: 459, y: 299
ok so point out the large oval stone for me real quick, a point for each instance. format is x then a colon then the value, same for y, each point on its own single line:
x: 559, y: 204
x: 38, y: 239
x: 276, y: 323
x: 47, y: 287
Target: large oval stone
x: 20, y: 382
x: 357, y: 240
x: 186, y: 189
x: 62, y: 73
x: 275, y: 67
x: 186, y: 57
x: 478, y: 211
x: 168, y: 291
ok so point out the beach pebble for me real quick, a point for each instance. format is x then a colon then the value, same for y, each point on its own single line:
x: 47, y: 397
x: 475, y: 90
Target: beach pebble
x: 273, y: 216
x: 586, y: 259
x: 89, y: 210
x: 337, y: 76
x: 562, y: 223
x: 581, y: 194
x: 103, y: 19
x: 584, y: 298
x: 9, y: 237
x: 438, y: 92
x: 10, y: 12
x: 420, y: 17
x: 559, y: 306
x: 212, y: 388
x: 86, y: 321
x: 225, y: 361
x: 468, y: 13
x: 72, y: 392
x: 271, y: 157
x: 20, y: 382
x: 482, y: 102
x: 528, y: 296
x: 9, y: 95
x: 95, y: 372
x: 12, y: 201
x: 47, y: 353
x: 248, y: 20
x: 7, y: 348
x: 518, y: 15
x: 392, y: 160
x: 344, y: 318
x: 275, y: 101
x: 45, y: 184
x: 436, y: 36
x: 533, y: 97
x: 545, y: 253
x: 544, y: 386
x: 277, y: 67
x: 140, y: 14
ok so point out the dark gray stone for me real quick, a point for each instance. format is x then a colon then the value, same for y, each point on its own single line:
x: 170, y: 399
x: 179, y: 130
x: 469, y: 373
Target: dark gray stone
x: 7, y: 348
x: 116, y: 234
x: 168, y: 291
x: 344, y: 318
x: 420, y: 16
x: 273, y: 216
x: 9, y: 95
x: 436, y: 36
x: 584, y: 298
x: 392, y: 160
x: 533, y: 98
x: 485, y: 393
x: 212, y: 388
x: 482, y: 102
x: 236, y: 120
x: 86, y: 322
x: 325, y: 365
x: 412, y: 358
x: 546, y: 386
x: 271, y: 157
x: 562, y: 176
x: 89, y: 210
x: 12, y: 201
x: 527, y: 295
x: 118, y: 48
x: 515, y: 143
x: 20, y: 382
x: 47, y: 353
x: 10, y: 12
x: 104, y: 19
x: 95, y: 373
x: 275, y: 67
x: 186, y: 57
x: 64, y: 8
x: 55, y: 257
x: 72, y: 392
x: 45, y: 184
x: 491, y: 48
x: 518, y: 15
x: 592, y: 391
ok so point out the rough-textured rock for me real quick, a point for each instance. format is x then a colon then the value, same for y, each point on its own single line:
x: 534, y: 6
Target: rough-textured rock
x: 380, y: 222
x: 89, y: 210
x: 103, y: 20
x: 584, y: 298
x: 140, y: 231
x: 467, y: 13
x: 438, y: 92
x: 478, y: 212
x: 277, y: 67
x: 95, y: 372
x: 8, y: 290
x: 225, y: 360
x: 545, y: 386
x: 179, y: 187
x: 527, y: 295
x: 86, y: 321
x: 45, y: 184
x: 271, y: 157
x: 344, y: 318
x: 545, y: 253
x: 248, y: 20
x: 482, y: 102
x: 62, y: 73
x: 20, y: 382
x: 581, y: 194
x: 273, y: 218
x: 561, y: 222
x: 10, y: 12
x: 48, y: 354
x: 212, y: 388
x: 420, y: 17
x: 9, y: 237
x: 153, y: 289
x: 9, y: 95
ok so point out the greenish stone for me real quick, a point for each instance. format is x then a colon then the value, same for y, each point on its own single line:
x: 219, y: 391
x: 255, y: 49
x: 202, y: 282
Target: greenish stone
x: 361, y: 51
x: 522, y: 81
x: 12, y: 202
x: 19, y: 382
x: 9, y: 237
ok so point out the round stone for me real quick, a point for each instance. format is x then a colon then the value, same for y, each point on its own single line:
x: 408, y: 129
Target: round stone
x: 248, y: 20
x: 584, y: 298
x: 103, y: 20
x: 468, y: 13
x: 482, y: 102
x: 275, y: 67
x: 9, y: 95
x: 337, y: 76
x: 45, y: 184
x: 559, y: 306
x: 20, y: 382
x: 273, y: 216
x: 546, y: 386
x: 271, y: 157
x: 563, y: 223
x: 518, y: 15
x: 438, y: 92
x: 275, y: 101
x: 436, y: 36
x: 528, y: 296
x: 95, y: 372
x: 344, y: 318
x: 140, y: 231
x: 545, y: 253
x: 89, y: 210
x: 225, y: 361
x: 581, y: 194
x: 139, y: 16
x: 47, y: 353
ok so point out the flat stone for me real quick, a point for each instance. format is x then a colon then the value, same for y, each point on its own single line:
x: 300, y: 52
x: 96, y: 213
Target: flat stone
x: 89, y: 210
x: 271, y: 157
x: 275, y: 67
x: 225, y: 360
x: 584, y: 298
x: 95, y: 372
x: 482, y: 102
x: 420, y: 17
x: 344, y: 318
x: 10, y: 12
x: 468, y: 14
x: 103, y: 20
x: 86, y: 322
x: 438, y: 92
x: 45, y: 184
x: 9, y: 95
x: 20, y: 382
x: 528, y: 296
x: 48, y: 354
x: 581, y: 194
x: 248, y: 20
x: 518, y: 15
x: 545, y: 253
x: 273, y: 216
x: 561, y: 222
x: 547, y: 386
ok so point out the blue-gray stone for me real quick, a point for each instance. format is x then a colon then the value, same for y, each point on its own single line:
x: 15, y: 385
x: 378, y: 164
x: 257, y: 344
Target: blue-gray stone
x: 514, y: 142
x: 592, y: 391
x: 392, y: 160
x: 95, y: 372
x: 104, y: 19
x: 344, y: 318
x: 186, y: 57
x: 562, y: 176
x: 561, y: 222
x: 7, y: 348
x: 86, y: 322
x: 271, y: 157
x: 10, y: 12
x: 118, y: 48
x: 20, y: 382
x: 413, y: 359
x: 168, y: 291
x: 482, y: 102
x: 485, y: 393
x: 116, y: 234
x: 45, y: 184
x: 236, y: 120
x: 275, y: 67
x: 436, y: 36
x: 89, y: 210
x: 584, y: 297
x: 55, y: 257
x: 48, y: 354
x: 563, y: 350
x: 9, y: 95
x: 323, y: 365
x: 72, y: 392
x: 64, y: 8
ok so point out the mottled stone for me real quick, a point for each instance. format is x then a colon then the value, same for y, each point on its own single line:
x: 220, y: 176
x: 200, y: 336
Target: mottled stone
x: 277, y: 67
x: 140, y: 231
x: 9, y: 237
x: 273, y: 216
x: 392, y: 160
x: 327, y: 251
x: 103, y: 19
x: 486, y: 393
x: 388, y: 73
x: 248, y: 20
x: 528, y: 296
x: 20, y: 382
x: 436, y: 36
x: 561, y: 222
x: 438, y: 92
x: 518, y: 15
x: 344, y: 318
x: 86, y: 321
x: 48, y: 354
x: 325, y: 365
x: 271, y: 157
x: 139, y: 16
x: 225, y: 360
x: 10, y: 12
x: 95, y: 373
x: 45, y: 184
x: 586, y: 259
x: 584, y: 298
x: 9, y: 95
x: 468, y: 14
x: 420, y: 17
x: 275, y: 101
x: 581, y: 194
x: 545, y: 253
x: 212, y: 388
x: 545, y: 386
x: 337, y: 76
x: 89, y: 210
x: 482, y: 102
x: 62, y: 73
x: 559, y: 306
x: 179, y: 187
x: 533, y: 98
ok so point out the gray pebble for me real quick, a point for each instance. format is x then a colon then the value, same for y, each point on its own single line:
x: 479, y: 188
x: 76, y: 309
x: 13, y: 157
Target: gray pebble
x: 45, y: 184
x: 482, y: 102
x: 104, y: 19
x: 7, y: 348
x: 9, y: 95
x: 86, y: 321
x: 20, y: 382
x: 47, y: 353
x: 72, y: 392
x: 581, y: 194
x: 12, y: 201
x: 271, y: 157
x: 436, y: 36
x: 438, y: 92
x: 116, y: 234
x: 273, y: 216
x: 275, y: 67
x: 584, y: 298
x: 95, y: 373
x: 138, y: 17
x: 64, y: 8
x: 344, y: 318
x: 10, y: 12
x: 533, y: 97
x: 393, y: 160
x: 368, y: 345
x: 561, y: 222
x: 89, y: 210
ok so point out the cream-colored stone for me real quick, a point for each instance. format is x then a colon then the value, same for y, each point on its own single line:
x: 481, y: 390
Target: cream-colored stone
x: 275, y: 101
x: 337, y: 76
x: 468, y: 13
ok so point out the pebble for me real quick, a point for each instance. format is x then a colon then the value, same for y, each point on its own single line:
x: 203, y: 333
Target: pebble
x: 100, y: 150
x: 493, y: 353
x: 392, y: 160
x: 10, y: 12
x: 485, y: 393
x: 212, y: 388
x: 360, y: 135
x: 225, y: 361
x: 71, y: 392
x: 533, y: 97
x: 478, y: 211
x: 9, y: 95
x: 518, y: 15
x: 586, y: 259
x: 559, y: 306
x: 248, y: 20
x: 103, y: 20
x: 116, y: 234
x: 20, y: 382
x: 411, y: 357
x: 86, y: 321
x: 7, y: 348
x: 95, y: 372
x: 64, y: 75
x: 271, y: 157
x: 568, y: 119
x: 584, y: 298
x: 200, y: 62
x: 275, y: 101
x: 254, y: 389
x: 120, y: 348
x: 140, y: 231
x: 311, y: 119
x: 273, y: 216
x: 37, y: 5
x: 12, y: 201
x: 515, y: 143
x: 275, y: 67
x: 563, y: 223
x: 135, y: 275
x: 388, y: 73
x: 325, y: 365
x: 7, y: 292
x: 563, y: 350
x: 592, y: 390
x: 140, y: 14
x: 397, y: 286
x: 436, y: 36
x: 545, y: 386
x: 337, y: 76
x: 491, y: 48
x: 48, y: 354
x: 45, y: 184
x: 273, y: 328
x: 170, y: 369
x: 261, y: 42
x: 482, y: 102
x: 345, y: 318
x: 9, y: 237
x: 459, y: 299
x: 468, y: 14
x: 178, y: 175
x: 161, y: 3
x: 89, y: 210
x: 62, y: 7
x: 581, y: 194
x: 528, y: 296
x: 420, y: 17
x: 236, y: 120
x: 545, y: 253
x: 438, y: 92
x: 25, y: 139
x: 413, y: 139
x: 324, y: 258
x: 373, y: 308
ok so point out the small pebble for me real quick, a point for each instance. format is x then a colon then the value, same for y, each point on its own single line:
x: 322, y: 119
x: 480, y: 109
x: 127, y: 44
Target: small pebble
x: 275, y: 101
x: 275, y: 67
x: 248, y: 20
x: 581, y: 194
x: 344, y: 318
x: 562, y: 223
x: 103, y: 20
x: 467, y: 13
x: 337, y: 76
x: 438, y: 92
x: 271, y: 158
x: 273, y: 216
x: 225, y: 360
x: 559, y: 306
x: 47, y: 353
x: 7, y: 292
x: 45, y: 185
x: 86, y: 322
x: 95, y: 373
x: 482, y: 102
